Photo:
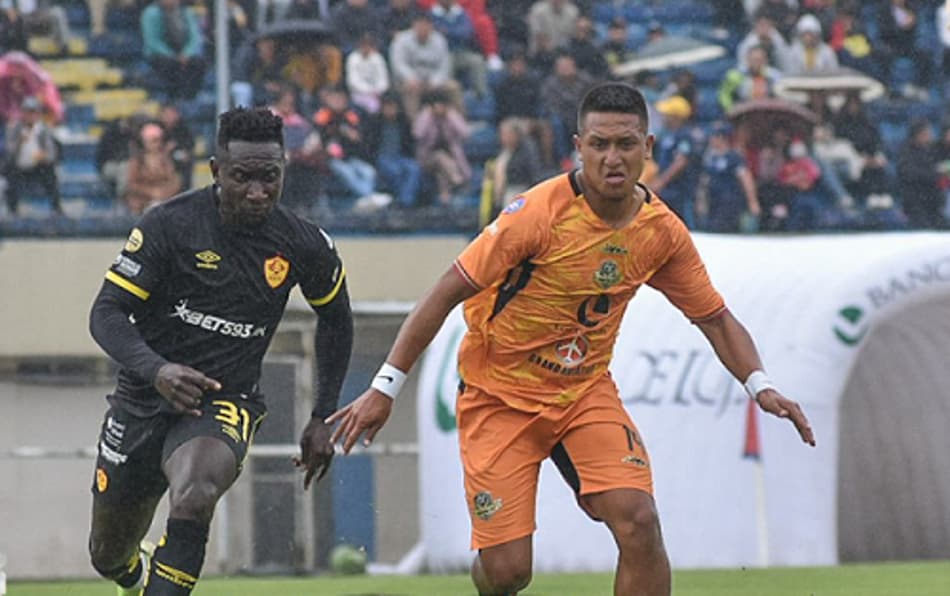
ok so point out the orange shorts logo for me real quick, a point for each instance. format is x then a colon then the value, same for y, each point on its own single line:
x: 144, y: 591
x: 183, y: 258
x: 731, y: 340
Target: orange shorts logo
x: 485, y: 505
x: 102, y: 480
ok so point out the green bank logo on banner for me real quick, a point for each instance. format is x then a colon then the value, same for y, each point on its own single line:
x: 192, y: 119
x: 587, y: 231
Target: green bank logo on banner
x: 851, y: 326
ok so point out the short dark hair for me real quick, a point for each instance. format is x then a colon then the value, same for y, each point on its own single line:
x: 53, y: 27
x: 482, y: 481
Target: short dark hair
x: 613, y: 97
x: 254, y: 125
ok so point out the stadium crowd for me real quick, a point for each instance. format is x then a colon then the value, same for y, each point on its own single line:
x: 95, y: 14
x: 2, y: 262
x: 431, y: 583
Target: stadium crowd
x: 771, y: 115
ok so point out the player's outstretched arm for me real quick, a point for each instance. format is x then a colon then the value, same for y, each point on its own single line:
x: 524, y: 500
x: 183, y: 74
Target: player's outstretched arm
x: 737, y: 352
x: 369, y: 412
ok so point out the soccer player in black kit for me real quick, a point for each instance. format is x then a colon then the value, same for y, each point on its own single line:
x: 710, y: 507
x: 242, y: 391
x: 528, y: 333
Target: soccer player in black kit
x: 188, y: 309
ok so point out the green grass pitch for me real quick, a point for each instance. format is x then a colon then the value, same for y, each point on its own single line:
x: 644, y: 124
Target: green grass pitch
x: 885, y: 579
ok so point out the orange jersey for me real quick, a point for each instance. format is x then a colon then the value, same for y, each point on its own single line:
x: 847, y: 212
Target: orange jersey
x: 555, y: 281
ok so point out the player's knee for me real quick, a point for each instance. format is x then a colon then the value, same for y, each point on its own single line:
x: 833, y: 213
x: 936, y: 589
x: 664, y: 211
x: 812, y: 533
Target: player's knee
x: 106, y: 561
x: 506, y: 575
x: 639, y: 527
x: 195, y: 500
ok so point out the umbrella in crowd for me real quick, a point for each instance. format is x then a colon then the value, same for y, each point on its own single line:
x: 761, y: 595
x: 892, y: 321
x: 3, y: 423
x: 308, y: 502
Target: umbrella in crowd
x: 755, y: 120
x: 298, y: 31
x: 669, y: 52
x: 22, y: 77
x: 835, y: 81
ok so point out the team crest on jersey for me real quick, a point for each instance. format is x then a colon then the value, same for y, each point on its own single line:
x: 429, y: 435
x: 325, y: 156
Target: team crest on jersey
x: 207, y: 259
x: 135, y: 240
x: 485, y: 505
x: 608, y: 274
x: 514, y: 206
x: 276, y: 270
x: 102, y: 480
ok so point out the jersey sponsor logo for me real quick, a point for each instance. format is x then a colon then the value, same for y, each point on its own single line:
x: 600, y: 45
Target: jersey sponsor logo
x: 572, y: 352
x: 608, y: 274
x: 207, y: 259
x: 613, y: 249
x: 560, y: 369
x: 111, y: 455
x: 633, y: 459
x: 485, y: 505
x: 275, y: 271
x: 102, y: 480
x: 126, y: 266
x: 514, y: 206
x: 135, y: 240
x: 215, y: 323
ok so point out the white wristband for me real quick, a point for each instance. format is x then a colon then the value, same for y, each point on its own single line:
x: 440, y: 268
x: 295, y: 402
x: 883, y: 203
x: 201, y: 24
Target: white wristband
x: 388, y: 380
x: 757, y: 382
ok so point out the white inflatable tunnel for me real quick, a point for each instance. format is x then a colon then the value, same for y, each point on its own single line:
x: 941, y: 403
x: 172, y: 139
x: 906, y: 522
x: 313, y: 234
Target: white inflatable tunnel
x: 856, y: 328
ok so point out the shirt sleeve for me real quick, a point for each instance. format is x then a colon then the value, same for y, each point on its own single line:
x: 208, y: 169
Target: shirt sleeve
x: 519, y: 233
x: 684, y: 281
x: 322, y: 271
x: 144, y: 259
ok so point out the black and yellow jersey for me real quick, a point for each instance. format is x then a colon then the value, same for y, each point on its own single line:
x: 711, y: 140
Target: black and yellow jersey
x: 210, y: 296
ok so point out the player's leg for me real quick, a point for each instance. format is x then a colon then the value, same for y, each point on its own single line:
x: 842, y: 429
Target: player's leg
x: 203, y: 459
x: 501, y: 457
x: 642, y: 566
x: 602, y: 457
x: 504, y: 568
x: 127, y: 488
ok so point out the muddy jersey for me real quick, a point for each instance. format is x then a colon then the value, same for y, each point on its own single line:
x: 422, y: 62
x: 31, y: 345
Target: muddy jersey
x: 209, y: 296
x: 555, y: 281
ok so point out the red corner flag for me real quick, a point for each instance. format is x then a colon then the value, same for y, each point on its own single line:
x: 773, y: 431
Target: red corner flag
x: 752, y: 448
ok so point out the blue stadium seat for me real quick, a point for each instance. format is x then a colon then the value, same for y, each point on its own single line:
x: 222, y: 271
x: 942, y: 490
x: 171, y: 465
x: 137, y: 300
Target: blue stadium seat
x: 482, y: 144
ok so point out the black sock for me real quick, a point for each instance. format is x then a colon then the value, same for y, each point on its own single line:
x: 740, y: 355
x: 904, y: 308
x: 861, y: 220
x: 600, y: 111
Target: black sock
x: 178, y: 559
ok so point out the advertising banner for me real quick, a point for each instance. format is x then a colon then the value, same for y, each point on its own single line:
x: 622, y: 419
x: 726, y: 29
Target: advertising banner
x: 734, y: 487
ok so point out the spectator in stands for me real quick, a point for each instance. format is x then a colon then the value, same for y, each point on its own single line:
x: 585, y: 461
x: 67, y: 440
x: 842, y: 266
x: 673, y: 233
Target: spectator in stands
x: 756, y: 80
x: 765, y: 35
x: 389, y: 137
x: 180, y: 141
x: 587, y: 55
x: 517, y: 166
x: 852, y: 123
x: 239, y: 24
x: 918, y: 179
x: 397, y: 16
x: 302, y: 10
x: 41, y: 17
x: 560, y: 94
x: 943, y: 164
x: 511, y: 24
x: 340, y: 128
x: 783, y: 13
x: 23, y: 77
x: 486, y: 33
x: 420, y: 62
x: 852, y: 44
x: 677, y: 152
x: 312, y: 66
x: 798, y: 182
x: 766, y: 162
x: 256, y: 73
x: 727, y: 196
x: 440, y: 130
x: 114, y: 150
x: 98, y: 11
x: 518, y: 95
x: 728, y: 15
x: 152, y: 177
x: 809, y: 53
x: 544, y: 56
x: 616, y: 48
x: 172, y: 45
x: 367, y: 75
x: 351, y: 19
x: 897, y: 24
x: 682, y: 84
x: 271, y: 11
x: 12, y: 31
x: 468, y: 63
x: 31, y: 155
x: 943, y: 30
x: 304, y: 151
x: 555, y: 19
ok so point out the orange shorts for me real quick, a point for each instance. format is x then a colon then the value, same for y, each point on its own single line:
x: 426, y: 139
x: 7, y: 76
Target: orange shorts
x: 593, y: 442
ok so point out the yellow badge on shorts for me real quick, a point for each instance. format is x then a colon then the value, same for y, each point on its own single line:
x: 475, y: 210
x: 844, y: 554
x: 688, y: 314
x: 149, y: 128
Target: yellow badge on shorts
x: 275, y: 271
x: 135, y: 240
x: 102, y: 480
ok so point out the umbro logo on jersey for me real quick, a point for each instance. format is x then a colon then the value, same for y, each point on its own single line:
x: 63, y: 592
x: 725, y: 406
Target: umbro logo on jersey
x: 207, y: 259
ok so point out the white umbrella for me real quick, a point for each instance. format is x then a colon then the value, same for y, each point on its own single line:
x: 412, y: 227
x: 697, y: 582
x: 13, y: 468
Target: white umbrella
x: 669, y: 52
x: 835, y: 81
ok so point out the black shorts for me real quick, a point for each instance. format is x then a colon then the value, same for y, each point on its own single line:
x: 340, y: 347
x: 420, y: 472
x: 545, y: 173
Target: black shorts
x: 132, y: 449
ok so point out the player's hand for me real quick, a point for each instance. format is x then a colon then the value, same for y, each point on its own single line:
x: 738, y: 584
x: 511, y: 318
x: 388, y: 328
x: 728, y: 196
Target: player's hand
x: 316, y: 451
x: 772, y: 402
x: 366, y: 414
x: 183, y: 387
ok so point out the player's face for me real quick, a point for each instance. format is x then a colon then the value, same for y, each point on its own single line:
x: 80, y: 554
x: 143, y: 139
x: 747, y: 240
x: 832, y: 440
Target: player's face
x: 250, y: 177
x: 612, y: 147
